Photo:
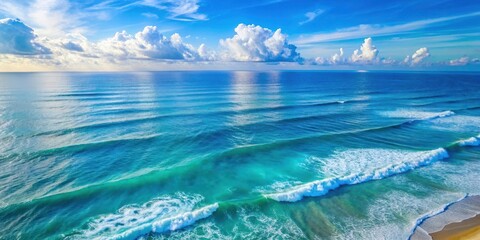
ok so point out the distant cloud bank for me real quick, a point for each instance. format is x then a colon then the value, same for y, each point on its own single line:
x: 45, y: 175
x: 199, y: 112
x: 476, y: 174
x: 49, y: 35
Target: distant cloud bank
x: 250, y: 43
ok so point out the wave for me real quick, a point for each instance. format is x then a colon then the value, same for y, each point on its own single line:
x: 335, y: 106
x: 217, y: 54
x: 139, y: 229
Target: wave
x: 154, y: 174
x: 322, y: 187
x: 156, y: 216
x: 416, y: 115
x: 423, y: 116
x: 442, y: 209
x: 169, y: 224
x: 473, y: 141
x: 149, y: 175
x: 89, y: 145
x: 439, y: 115
x: 442, y: 103
x: 138, y: 120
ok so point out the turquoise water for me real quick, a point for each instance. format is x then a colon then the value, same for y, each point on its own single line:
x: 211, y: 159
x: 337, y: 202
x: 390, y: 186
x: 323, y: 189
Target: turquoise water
x: 233, y: 155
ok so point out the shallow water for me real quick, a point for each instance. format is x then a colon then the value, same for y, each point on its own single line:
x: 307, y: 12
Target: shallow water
x: 233, y: 155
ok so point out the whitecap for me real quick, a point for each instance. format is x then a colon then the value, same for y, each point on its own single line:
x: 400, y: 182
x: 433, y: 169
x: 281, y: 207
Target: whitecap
x: 416, y: 115
x: 322, y: 187
x: 159, y: 215
x: 473, y: 141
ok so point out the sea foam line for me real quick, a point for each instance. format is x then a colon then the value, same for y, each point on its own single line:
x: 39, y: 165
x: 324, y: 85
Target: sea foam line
x: 322, y: 187
x: 428, y: 215
x: 168, y: 224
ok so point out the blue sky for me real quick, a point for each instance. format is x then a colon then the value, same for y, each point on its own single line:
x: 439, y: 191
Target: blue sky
x: 67, y: 34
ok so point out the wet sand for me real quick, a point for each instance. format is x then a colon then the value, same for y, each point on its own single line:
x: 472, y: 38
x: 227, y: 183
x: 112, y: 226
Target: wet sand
x: 460, y: 220
x: 467, y: 229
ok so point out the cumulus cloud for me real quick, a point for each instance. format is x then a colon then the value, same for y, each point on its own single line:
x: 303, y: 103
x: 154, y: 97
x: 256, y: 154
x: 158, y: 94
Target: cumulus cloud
x: 254, y: 43
x: 148, y: 44
x: 206, y: 54
x: 338, y: 57
x: 367, y: 53
x: 463, y: 61
x: 149, y: 48
x: 418, y: 57
x: 335, y: 59
x: 18, y: 38
x: 74, y: 51
x: 460, y: 61
x: 70, y: 45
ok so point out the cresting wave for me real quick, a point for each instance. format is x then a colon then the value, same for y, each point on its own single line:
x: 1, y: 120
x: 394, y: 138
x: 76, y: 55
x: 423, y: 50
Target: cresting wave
x: 473, y: 141
x: 439, y: 115
x: 442, y: 209
x: 238, y: 150
x: 322, y: 187
x: 157, y: 216
x: 169, y: 224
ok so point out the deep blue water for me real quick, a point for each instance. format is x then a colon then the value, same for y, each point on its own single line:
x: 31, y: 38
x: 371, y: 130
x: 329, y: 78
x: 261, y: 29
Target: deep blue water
x: 233, y: 155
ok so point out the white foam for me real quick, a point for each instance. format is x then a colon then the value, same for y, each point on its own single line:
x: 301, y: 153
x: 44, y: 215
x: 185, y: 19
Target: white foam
x: 321, y: 187
x: 344, y: 162
x: 416, y: 115
x: 158, y: 215
x: 169, y: 224
x: 473, y: 141
x: 457, y: 124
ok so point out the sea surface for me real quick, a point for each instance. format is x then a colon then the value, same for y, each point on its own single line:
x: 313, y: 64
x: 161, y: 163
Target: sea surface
x: 234, y: 155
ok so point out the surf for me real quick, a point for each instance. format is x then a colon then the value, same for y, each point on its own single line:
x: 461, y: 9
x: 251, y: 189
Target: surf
x: 322, y: 187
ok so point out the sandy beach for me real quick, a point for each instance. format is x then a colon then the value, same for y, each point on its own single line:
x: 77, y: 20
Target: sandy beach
x: 467, y: 229
x: 460, y: 220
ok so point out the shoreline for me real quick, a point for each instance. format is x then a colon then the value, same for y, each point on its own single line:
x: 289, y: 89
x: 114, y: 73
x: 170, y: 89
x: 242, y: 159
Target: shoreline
x: 461, y: 220
x: 466, y: 229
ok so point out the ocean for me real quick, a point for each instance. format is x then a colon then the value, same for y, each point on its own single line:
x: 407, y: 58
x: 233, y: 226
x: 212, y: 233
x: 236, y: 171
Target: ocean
x: 234, y: 155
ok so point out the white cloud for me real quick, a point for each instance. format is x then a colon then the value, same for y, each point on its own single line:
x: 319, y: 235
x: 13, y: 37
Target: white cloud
x: 388, y: 61
x: 367, y: 53
x: 335, y: 59
x: 48, y: 17
x: 311, y: 16
x: 21, y: 49
x: 186, y: 10
x: 180, y: 10
x: 18, y: 38
x: 148, y: 44
x: 206, y: 54
x: 375, y: 30
x: 460, y: 61
x: 338, y: 57
x: 150, y: 15
x: 56, y: 18
x: 254, y: 43
x: 143, y: 50
x: 418, y: 57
